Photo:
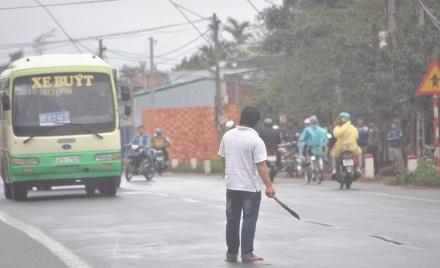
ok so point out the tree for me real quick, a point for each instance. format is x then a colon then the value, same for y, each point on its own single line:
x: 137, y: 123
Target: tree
x: 203, y: 58
x: 334, y: 62
x: 39, y: 43
x: 12, y: 57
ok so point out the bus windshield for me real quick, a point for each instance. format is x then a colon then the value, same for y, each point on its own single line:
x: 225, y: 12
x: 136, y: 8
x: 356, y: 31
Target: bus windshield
x: 46, y: 101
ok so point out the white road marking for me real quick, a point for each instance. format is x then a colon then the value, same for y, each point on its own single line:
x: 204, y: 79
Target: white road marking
x: 412, y: 198
x: 190, y: 200
x: 64, y: 254
x: 162, y: 194
x: 134, y: 193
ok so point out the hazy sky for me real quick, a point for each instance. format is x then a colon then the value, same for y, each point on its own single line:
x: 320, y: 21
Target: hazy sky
x: 23, y: 25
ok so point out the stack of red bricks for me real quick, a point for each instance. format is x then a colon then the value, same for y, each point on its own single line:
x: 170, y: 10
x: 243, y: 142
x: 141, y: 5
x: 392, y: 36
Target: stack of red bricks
x: 191, y: 130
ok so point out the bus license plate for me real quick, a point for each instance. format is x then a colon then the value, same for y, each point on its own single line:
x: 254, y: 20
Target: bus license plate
x: 348, y: 162
x: 271, y: 158
x: 67, y: 160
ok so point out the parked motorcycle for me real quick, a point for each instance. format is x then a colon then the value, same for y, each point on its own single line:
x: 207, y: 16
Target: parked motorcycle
x: 291, y: 162
x: 346, y: 170
x: 159, y: 161
x: 138, y: 164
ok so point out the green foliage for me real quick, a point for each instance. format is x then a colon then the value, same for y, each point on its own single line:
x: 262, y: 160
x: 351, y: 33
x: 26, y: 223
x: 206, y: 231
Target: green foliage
x: 425, y: 175
x: 334, y: 62
x: 204, y: 57
x: 12, y: 57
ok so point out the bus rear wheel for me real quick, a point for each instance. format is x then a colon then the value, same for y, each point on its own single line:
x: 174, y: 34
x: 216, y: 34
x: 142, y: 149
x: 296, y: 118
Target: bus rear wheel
x: 107, y: 187
x: 7, y: 190
x: 18, y: 191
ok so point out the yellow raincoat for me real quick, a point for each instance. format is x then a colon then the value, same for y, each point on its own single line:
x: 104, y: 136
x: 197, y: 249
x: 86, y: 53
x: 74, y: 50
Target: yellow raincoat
x: 346, y: 140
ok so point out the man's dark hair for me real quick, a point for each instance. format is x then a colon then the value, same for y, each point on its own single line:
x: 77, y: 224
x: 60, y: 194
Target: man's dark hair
x: 249, y: 116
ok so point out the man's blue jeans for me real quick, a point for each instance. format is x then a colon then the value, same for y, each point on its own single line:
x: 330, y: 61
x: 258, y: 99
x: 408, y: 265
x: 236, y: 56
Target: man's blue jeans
x: 249, y: 203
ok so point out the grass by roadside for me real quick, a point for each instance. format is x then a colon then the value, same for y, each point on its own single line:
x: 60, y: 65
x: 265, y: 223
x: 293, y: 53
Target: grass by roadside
x: 216, y: 167
x: 425, y: 175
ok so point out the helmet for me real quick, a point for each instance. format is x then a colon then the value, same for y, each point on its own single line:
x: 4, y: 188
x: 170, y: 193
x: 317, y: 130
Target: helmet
x: 230, y: 124
x: 313, y: 120
x: 158, y: 131
x: 276, y: 127
x: 307, y: 121
x: 345, y: 116
x: 268, y: 122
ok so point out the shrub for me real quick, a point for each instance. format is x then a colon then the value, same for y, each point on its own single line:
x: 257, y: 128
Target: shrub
x: 425, y: 175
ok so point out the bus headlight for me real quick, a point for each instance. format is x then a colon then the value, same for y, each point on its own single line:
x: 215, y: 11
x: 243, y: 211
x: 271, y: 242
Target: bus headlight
x: 25, y: 161
x: 108, y: 157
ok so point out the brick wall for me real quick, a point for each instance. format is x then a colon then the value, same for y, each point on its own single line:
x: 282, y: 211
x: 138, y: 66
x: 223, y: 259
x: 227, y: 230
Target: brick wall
x: 191, y: 130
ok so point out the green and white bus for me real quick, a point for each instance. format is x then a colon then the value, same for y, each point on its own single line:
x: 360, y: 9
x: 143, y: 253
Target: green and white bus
x: 59, y: 125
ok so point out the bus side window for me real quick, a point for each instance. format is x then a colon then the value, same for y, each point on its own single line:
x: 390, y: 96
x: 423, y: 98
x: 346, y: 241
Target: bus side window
x: 3, y: 90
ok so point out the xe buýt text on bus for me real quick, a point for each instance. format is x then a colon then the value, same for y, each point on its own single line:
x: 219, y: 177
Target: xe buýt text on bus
x: 59, y: 125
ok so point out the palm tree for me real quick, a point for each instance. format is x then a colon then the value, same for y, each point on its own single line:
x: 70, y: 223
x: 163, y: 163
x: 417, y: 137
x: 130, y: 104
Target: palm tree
x: 238, y: 30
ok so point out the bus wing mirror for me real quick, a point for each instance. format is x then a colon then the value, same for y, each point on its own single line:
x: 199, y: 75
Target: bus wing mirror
x: 6, y: 103
x: 125, y: 93
x: 127, y: 110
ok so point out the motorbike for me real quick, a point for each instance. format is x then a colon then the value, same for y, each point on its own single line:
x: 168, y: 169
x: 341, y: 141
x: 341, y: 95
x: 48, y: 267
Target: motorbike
x: 314, y: 169
x: 346, y: 170
x: 159, y: 161
x: 291, y: 162
x: 138, y: 164
x: 272, y: 163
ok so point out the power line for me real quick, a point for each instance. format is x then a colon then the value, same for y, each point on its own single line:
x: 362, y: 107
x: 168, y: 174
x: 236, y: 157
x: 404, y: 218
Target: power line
x: 188, y: 10
x: 58, y: 24
x: 60, y: 4
x: 184, y: 45
x: 253, y: 6
x: 93, y: 37
x: 430, y: 15
x: 186, y: 17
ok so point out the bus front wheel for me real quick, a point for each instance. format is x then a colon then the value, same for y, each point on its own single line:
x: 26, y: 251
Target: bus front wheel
x: 107, y: 187
x: 18, y: 191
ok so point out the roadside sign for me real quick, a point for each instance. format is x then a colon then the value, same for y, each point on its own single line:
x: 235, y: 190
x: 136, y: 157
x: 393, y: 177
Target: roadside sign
x: 430, y: 84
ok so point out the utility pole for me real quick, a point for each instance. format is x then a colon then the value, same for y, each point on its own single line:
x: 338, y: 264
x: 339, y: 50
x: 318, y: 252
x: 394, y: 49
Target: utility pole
x: 218, y: 96
x: 152, y: 67
x: 421, y: 15
x: 152, y: 70
x: 101, y: 49
x: 390, y: 8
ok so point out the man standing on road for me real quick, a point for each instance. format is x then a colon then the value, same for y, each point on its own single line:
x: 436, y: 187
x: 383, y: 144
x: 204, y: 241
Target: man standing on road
x: 244, y: 157
x: 394, y: 138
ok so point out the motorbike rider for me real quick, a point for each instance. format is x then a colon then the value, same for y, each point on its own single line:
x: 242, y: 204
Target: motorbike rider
x: 313, y: 139
x: 160, y: 142
x: 142, y: 139
x: 346, y: 139
x: 271, y: 138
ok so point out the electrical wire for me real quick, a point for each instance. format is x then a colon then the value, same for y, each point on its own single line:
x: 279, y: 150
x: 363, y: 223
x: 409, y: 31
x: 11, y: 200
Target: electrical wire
x: 430, y: 15
x: 186, y: 17
x: 58, y: 24
x: 102, y: 36
x: 60, y: 4
x: 253, y: 6
x: 188, y: 10
x: 184, y: 45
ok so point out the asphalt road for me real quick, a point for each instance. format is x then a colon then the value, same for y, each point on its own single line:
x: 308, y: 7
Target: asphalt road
x: 178, y: 221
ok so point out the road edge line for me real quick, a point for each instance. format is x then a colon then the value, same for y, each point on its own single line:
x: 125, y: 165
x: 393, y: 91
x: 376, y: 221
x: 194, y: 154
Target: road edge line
x: 61, y: 252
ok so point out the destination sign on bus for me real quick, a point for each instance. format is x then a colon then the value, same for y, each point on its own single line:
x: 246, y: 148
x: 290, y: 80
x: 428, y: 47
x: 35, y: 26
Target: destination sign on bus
x: 62, y: 81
